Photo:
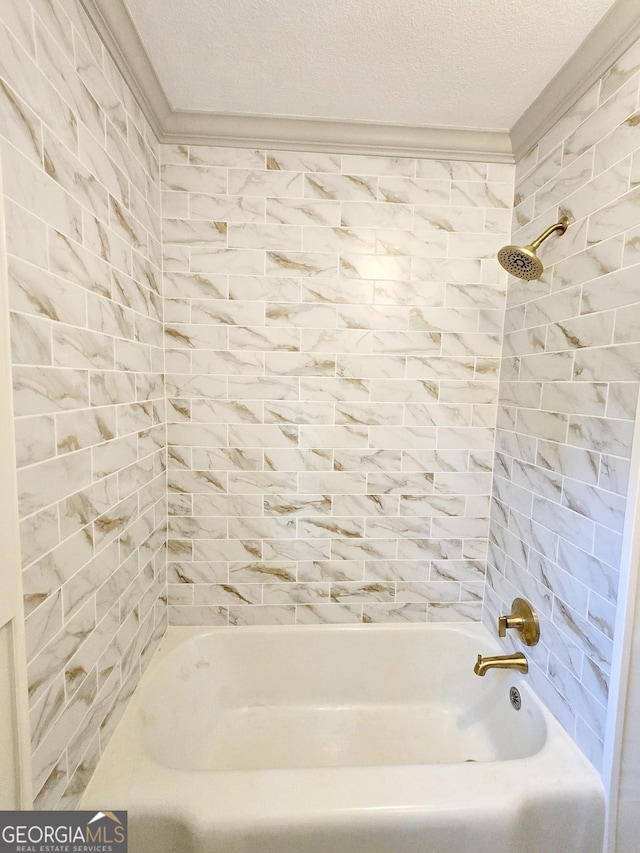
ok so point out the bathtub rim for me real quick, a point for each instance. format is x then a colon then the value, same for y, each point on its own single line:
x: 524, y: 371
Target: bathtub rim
x: 343, y: 791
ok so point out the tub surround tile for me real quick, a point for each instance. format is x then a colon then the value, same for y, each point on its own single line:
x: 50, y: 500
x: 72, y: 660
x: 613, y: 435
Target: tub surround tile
x: 321, y: 262
x: 567, y: 402
x: 331, y: 357
x: 82, y: 201
x: 333, y: 437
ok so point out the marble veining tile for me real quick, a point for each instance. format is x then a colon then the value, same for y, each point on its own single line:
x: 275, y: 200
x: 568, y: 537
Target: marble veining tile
x: 271, y: 183
x: 84, y: 207
x: 569, y: 541
x: 217, y: 207
x: 333, y: 328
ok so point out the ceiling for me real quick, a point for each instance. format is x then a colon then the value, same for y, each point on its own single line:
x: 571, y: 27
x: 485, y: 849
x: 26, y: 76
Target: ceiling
x: 460, y: 78
x: 454, y: 63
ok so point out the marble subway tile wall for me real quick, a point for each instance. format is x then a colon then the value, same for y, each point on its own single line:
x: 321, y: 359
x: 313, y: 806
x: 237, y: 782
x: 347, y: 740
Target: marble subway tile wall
x: 81, y: 194
x: 568, y: 394
x: 333, y: 334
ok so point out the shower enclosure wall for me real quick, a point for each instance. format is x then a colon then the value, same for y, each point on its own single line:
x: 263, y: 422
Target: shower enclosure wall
x: 568, y: 396
x: 333, y: 338
x: 82, y: 205
x: 330, y: 358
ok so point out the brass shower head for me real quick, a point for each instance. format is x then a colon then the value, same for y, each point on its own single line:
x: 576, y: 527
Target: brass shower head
x: 522, y: 261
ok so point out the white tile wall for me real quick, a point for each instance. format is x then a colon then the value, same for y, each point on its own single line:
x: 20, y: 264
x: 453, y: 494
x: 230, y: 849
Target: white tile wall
x: 333, y: 333
x: 333, y: 340
x: 82, y: 199
x: 568, y: 393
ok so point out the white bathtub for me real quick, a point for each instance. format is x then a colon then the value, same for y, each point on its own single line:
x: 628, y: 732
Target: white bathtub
x: 333, y: 739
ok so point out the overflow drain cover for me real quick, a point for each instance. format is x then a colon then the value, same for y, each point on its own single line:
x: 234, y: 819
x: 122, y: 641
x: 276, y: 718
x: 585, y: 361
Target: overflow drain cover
x: 514, y: 698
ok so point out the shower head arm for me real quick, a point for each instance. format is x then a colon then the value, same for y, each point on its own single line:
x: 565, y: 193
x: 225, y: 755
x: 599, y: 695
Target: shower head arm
x: 560, y: 226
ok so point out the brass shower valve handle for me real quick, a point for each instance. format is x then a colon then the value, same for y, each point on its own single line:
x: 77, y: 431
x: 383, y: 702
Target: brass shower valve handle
x: 505, y: 622
x: 523, y: 618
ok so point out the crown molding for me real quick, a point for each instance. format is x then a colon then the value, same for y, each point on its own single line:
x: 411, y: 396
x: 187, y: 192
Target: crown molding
x: 619, y: 28
x: 346, y: 137
x: 113, y: 23
x: 615, y: 34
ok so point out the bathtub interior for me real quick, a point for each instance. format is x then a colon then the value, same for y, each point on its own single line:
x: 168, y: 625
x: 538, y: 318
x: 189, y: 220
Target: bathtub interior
x: 399, y: 696
x: 327, y: 738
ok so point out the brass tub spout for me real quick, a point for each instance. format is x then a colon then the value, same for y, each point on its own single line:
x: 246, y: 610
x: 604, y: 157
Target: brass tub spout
x: 516, y: 661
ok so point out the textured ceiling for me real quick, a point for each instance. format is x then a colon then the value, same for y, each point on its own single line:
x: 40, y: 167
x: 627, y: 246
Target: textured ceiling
x: 454, y: 63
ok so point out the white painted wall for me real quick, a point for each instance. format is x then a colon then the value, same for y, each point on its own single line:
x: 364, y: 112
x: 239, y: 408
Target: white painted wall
x: 15, y: 777
x: 628, y: 793
x: 621, y: 770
